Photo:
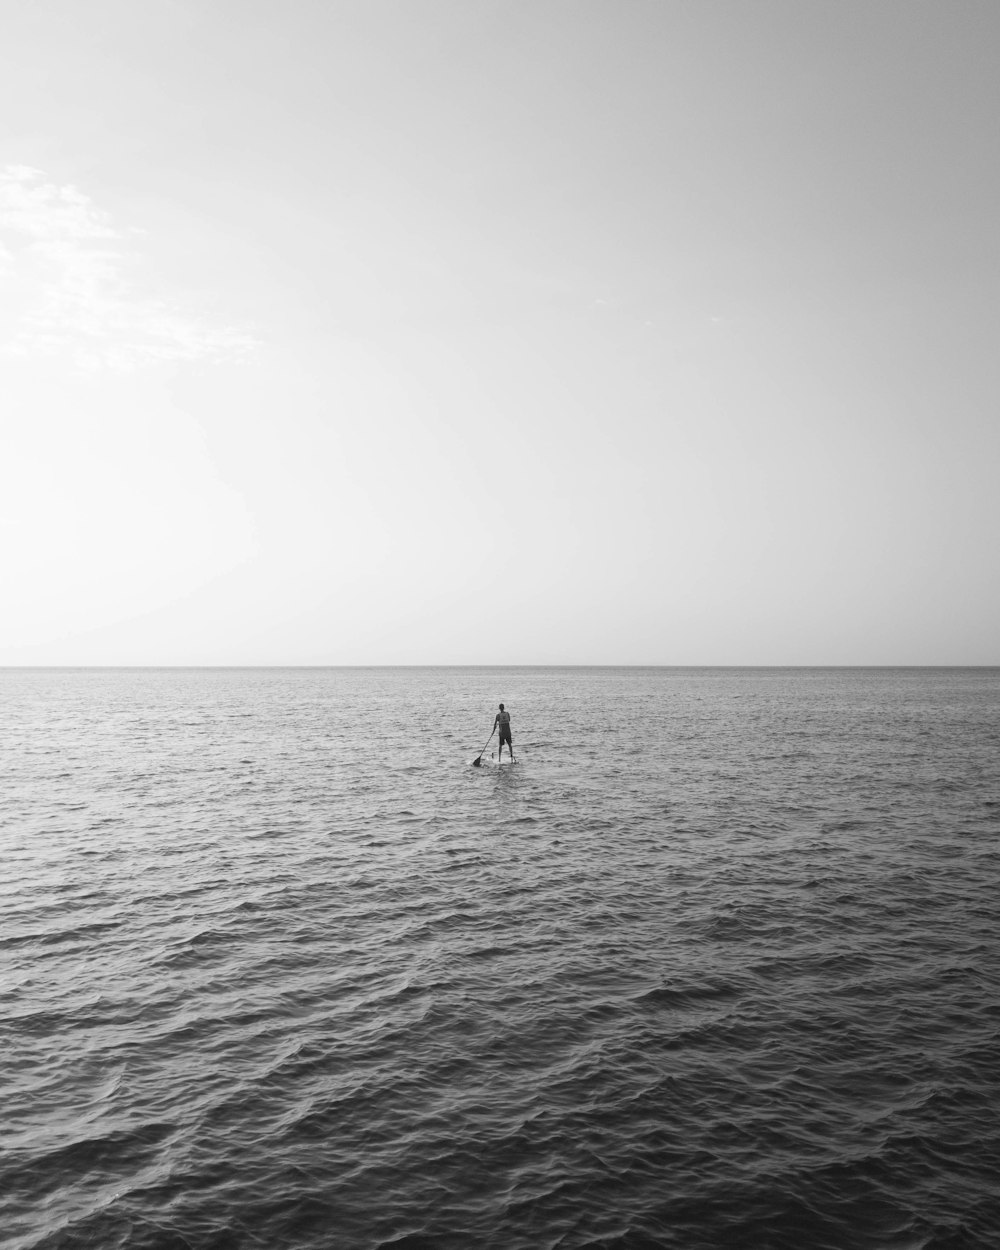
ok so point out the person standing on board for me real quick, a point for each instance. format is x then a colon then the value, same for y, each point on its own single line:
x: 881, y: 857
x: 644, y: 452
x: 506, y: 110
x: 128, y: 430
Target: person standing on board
x: 503, y: 720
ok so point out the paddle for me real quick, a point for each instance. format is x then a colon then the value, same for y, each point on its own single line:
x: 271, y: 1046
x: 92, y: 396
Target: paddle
x: 479, y: 758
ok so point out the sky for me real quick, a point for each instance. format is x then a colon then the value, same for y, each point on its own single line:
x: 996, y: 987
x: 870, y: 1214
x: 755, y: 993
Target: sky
x: 483, y: 332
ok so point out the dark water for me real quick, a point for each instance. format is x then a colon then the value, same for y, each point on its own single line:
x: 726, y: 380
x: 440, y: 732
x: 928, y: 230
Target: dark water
x: 714, y: 965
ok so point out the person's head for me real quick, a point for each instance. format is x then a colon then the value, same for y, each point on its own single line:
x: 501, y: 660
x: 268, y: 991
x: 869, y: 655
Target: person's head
x: 501, y: 707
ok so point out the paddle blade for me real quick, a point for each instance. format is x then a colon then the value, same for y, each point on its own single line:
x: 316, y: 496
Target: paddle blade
x: 477, y: 761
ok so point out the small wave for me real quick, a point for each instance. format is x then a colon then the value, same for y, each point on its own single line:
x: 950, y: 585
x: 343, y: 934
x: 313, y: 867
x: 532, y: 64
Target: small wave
x: 689, y: 994
x: 207, y: 946
x: 32, y: 1175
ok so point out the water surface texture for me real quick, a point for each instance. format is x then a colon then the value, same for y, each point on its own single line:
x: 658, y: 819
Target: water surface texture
x: 713, y: 965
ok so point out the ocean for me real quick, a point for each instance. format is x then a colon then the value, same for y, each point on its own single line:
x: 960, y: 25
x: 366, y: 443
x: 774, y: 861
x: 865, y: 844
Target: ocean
x: 714, y: 964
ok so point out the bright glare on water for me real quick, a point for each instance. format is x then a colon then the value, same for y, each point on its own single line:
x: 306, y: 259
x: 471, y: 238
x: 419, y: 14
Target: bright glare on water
x: 713, y: 965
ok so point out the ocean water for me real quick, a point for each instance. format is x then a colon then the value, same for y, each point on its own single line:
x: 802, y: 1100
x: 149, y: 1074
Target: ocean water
x: 715, y: 964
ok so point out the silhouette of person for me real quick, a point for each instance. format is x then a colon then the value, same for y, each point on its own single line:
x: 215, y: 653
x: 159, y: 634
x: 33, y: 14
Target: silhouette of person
x: 503, y: 720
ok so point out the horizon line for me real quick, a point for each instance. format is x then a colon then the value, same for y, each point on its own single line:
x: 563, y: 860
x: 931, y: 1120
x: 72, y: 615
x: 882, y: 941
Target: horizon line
x: 563, y: 665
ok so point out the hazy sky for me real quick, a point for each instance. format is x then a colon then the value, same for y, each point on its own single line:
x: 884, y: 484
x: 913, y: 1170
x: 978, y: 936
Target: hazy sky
x: 642, y: 331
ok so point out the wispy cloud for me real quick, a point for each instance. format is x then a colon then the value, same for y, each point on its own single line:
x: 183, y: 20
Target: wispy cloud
x: 65, y: 265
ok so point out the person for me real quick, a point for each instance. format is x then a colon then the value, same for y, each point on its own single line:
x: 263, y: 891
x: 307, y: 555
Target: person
x: 503, y: 720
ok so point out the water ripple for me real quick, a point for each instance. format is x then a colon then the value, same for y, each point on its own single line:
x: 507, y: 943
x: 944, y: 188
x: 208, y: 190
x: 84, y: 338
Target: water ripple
x: 714, y: 965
